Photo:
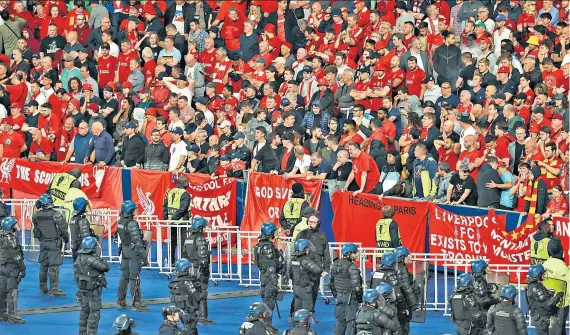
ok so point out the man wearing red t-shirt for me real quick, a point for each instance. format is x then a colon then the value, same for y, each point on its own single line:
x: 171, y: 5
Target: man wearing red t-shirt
x: 379, y: 86
x: 550, y: 166
x: 41, y: 148
x: 471, y: 156
x: 446, y: 151
x: 398, y: 75
x: 360, y: 90
x: 49, y: 125
x: 208, y: 57
x: 350, y: 134
x: 11, y: 143
x: 551, y: 76
x: 414, y: 77
x: 364, y: 173
x: 106, y: 66
x: 532, y: 152
x: 354, y: 37
x: 124, y: 59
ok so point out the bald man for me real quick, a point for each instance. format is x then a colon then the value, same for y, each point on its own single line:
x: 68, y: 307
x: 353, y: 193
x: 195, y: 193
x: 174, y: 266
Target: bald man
x: 41, y: 147
x: 101, y: 148
x: 471, y: 156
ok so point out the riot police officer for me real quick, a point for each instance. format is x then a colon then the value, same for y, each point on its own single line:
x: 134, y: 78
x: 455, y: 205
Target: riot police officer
x: 291, y: 211
x: 321, y: 254
x: 303, y: 273
x: 542, y: 302
x: 50, y: 228
x: 465, y: 311
x: 133, y: 257
x: 197, y: 251
x: 369, y: 320
x: 257, y: 321
x: 61, y: 184
x: 409, y: 286
x: 90, y: 277
x: 386, y: 273
x: 79, y: 226
x: 387, y: 304
x: 346, y: 287
x: 301, y: 319
x: 504, y: 317
x: 12, y: 270
x: 268, y: 259
x: 176, y: 207
x: 483, y: 295
x: 124, y: 325
x: 170, y: 324
x: 185, y: 291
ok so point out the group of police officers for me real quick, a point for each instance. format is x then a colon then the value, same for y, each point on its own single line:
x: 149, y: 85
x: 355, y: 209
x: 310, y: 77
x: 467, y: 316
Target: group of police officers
x: 387, y: 307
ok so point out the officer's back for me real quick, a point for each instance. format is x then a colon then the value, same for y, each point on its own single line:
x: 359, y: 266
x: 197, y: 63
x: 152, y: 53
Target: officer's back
x: 506, y: 318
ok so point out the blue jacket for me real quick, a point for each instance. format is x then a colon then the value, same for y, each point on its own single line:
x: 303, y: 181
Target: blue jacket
x: 423, y: 178
x: 309, y: 120
x: 104, y: 148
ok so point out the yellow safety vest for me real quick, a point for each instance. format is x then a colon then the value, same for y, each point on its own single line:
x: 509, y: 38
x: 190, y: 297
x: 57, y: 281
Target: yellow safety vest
x: 302, y: 225
x: 59, y: 187
x: 173, y: 201
x: 539, y: 250
x: 557, y: 269
x: 71, y: 195
x: 383, y: 239
x: 292, y: 210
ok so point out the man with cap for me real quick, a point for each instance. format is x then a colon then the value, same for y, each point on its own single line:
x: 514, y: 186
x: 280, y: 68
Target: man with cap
x: 107, y: 66
x: 109, y: 108
x: 153, y: 23
x: 504, y: 84
x: 192, y: 163
x: 90, y: 92
x: 133, y: 147
x: 239, y: 149
x: 538, y: 119
x: 11, y: 142
x: 258, y: 76
x: 501, y: 33
x: 177, y: 150
x: 160, y: 93
x: 181, y: 87
x: 309, y: 84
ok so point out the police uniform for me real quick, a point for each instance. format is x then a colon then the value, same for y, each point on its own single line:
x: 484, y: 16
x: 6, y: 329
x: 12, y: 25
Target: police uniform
x: 299, y: 330
x: 50, y: 228
x: 411, y: 292
x: 170, y: 328
x: 388, y: 274
x: 133, y: 256
x: 372, y: 320
x: 291, y: 212
x: 12, y: 270
x: 90, y: 277
x: 268, y: 260
x: 254, y: 326
x: 387, y: 234
x: 346, y: 286
x: 4, y: 212
x: 79, y: 227
x: 176, y: 207
x: 60, y: 185
x: 542, y: 304
x: 304, y: 273
x: 197, y: 251
x: 185, y: 291
x: 465, y: 312
x: 321, y: 254
x: 505, y: 318
x: 482, y: 294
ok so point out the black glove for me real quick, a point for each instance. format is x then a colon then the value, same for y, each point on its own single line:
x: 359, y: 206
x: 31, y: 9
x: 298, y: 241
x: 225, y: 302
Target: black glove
x: 358, y: 296
x: 144, y: 262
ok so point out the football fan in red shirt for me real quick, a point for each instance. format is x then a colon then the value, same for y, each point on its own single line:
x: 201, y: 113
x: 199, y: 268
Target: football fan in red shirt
x: 414, y: 77
x: 11, y: 142
x: 364, y: 173
x: 107, y: 66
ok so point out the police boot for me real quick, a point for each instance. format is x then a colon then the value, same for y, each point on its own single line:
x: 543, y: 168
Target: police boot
x: 12, y: 307
x: 54, y: 282
x: 43, y: 280
x: 139, y: 307
x: 203, y: 314
x: 121, y: 304
x: 16, y: 320
x: 77, y: 296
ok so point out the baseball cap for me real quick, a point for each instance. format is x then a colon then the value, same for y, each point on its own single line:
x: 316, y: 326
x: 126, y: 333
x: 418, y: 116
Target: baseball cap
x: 464, y: 117
x: 239, y: 135
x: 211, y: 85
x: 87, y: 87
x: 133, y: 18
x: 481, y: 24
x: 16, y: 105
x: 200, y: 100
x: 192, y: 147
x: 32, y: 103
x: 279, y: 60
x: 500, y: 18
x: 428, y: 79
x: 9, y: 121
x: 75, y: 103
x: 464, y: 168
x: 37, y: 56
x: 225, y: 124
x: 182, y: 77
x: 285, y: 102
x: 178, y: 131
x: 151, y: 111
x: 144, y: 90
x: 504, y: 69
x: 260, y: 60
x: 307, y: 68
x: 336, y: 12
x: 93, y: 106
x: 108, y: 89
x: 225, y: 158
x: 161, y: 76
x: 130, y: 125
x: 520, y: 95
x: 499, y: 95
x: 558, y: 117
x: 68, y: 59
x: 538, y: 110
x: 128, y: 84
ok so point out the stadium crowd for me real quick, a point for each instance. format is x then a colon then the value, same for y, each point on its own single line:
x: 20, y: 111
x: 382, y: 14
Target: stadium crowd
x: 462, y: 102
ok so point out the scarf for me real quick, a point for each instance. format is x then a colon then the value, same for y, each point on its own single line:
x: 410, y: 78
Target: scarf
x: 532, y: 194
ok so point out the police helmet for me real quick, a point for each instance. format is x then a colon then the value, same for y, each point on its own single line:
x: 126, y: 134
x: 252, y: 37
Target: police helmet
x: 401, y: 253
x: 384, y: 289
x: 388, y: 259
x: 8, y: 223
x: 88, y: 242
x: 478, y: 266
x: 123, y: 322
x: 302, y: 245
x: 536, y: 271
x: 182, y: 265
x: 370, y: 296
x: 464, y: 280
x: 128, y: 207
x: 509, y: 292
x: 268, y: 228
x: 169, y: 310
x: 302, y: 316
x: 257, y: 309
x: 80, y: 204
x: 348, y: 249
x: 45, y: 199
x: 198, y: 223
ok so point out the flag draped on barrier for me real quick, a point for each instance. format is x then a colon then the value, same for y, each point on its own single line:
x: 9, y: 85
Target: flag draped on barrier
x: 34, y: 178
x: 266, y: 195
x: 355, y: 219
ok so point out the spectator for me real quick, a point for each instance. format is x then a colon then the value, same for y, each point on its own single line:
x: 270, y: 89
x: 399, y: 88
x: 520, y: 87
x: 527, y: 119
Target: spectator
x: 536, y: 193
x: 264, y: 157
x: 9, y: 25
x: 488, y: 184
x: 178, y: 150
x: 557, y: 205
x: 302, y: 163
x: 133, y: 153
x: 259, y: 121
x: 425, y: 169
x: 12, y: 143
x: 364, y: 173
x: 340, y: 171
x: 447, y: 61
x: 462, y: 190
x: 316, y: 117
x: 442, y: 179
x: 101, y: 149
x: 315, y: 143
x: 319, y: 168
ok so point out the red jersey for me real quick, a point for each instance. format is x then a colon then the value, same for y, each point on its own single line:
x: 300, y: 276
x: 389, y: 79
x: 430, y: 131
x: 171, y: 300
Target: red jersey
x: 553, y: 79
x: 414, y: 81
x: 45, y: 147
x: 345, y: 139
x: 448, y: 156
x: 66, y: 139
x: 551, y: 179
x: 362, y: 87
x: 11, y: 144
x: 464, y: 109
x: 314, y: 45
x: 208, y: 59
x: 219, y: 73
x: 433, y: 41
x: 502, y: 150
x: 527, y: 20
x: 407, y: 40
x: 18, y: 93
x: 124, y: 60
x: 106, y: 68
x: 467, y: 157
x: 356, y: 50
x: 401, y: 75
x: 148, y: 70
x: 365, y: 163
x: 379, y: 84
x: 378, y: 135
x: 328, y: 47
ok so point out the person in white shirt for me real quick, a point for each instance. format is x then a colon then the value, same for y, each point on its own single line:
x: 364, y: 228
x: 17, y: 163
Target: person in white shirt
x: 340, y: 63
x: 483, y: 15
x: 466, y: 129
x: 106, y: 37
x: 180, y: 88
x: 178, y: 151
x: 502, y: 33
x: 302, y: 163
x: 175, y: 122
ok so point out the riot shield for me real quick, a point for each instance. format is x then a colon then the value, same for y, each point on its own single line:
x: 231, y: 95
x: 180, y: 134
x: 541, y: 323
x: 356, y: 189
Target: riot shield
x: 496, y: 281
x: 557, y: 321
x: 419, y: 270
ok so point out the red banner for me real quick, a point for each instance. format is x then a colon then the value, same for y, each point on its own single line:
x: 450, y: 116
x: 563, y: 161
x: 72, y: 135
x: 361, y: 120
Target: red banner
x: 214, y: 200
x: 34, y: 178
x: 355, y: 219
x: 268, y: 193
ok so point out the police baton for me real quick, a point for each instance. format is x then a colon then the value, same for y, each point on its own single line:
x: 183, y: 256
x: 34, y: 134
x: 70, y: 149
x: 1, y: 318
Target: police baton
x: 278, y: 311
